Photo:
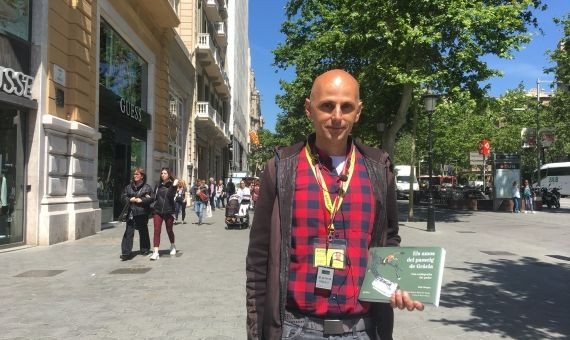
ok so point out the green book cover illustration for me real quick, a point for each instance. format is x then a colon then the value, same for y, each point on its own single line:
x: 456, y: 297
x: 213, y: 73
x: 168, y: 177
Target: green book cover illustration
x: 416, y: 270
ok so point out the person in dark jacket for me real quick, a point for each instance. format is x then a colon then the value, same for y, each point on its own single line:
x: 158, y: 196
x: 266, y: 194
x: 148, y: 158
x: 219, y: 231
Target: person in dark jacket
x: 164, y: 210
x: 138, y: 195
x: 295, y: 209
x: 230, y: 190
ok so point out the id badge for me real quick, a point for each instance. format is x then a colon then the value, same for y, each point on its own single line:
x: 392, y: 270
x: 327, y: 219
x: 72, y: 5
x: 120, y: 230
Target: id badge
x: 335, y: 257
x: 325, y: 276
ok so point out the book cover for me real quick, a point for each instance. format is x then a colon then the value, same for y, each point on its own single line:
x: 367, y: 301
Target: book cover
x: 416, y: 270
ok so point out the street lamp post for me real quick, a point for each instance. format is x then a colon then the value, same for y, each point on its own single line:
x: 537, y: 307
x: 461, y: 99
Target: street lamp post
x: 430, y: 99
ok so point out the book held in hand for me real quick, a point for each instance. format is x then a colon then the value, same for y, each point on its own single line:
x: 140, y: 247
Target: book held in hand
x: 416, y: 270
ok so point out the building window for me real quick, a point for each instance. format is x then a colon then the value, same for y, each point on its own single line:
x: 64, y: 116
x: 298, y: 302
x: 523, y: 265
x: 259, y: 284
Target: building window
x: 175, y: 4
x: 15, y: 18
x: 121, y: 69
x: 175, y: 137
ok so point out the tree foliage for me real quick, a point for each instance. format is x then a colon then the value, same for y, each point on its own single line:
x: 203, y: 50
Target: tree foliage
x: 263, y: 151
x: 394, y: 48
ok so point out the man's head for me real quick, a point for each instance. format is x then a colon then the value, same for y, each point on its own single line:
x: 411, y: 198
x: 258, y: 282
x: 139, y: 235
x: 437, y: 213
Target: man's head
x: 334, y: 105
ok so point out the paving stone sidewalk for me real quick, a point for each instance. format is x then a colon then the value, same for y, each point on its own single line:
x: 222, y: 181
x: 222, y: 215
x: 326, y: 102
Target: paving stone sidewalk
x: 507, y: 277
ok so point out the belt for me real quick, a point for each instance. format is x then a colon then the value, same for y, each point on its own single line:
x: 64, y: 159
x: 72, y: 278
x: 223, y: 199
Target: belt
x: 330, y: 325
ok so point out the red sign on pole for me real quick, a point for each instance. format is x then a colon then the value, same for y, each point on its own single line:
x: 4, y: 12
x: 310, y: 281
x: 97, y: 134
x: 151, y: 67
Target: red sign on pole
x: 484, y: 147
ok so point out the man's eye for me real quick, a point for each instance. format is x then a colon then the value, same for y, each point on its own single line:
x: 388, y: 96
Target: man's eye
x: 327, y: 106
x: 347, y: 107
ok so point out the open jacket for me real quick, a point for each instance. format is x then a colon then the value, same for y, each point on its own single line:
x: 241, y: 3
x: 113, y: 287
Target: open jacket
x: 267, y: 263
x: 144, y: 192
x: 164, y: 196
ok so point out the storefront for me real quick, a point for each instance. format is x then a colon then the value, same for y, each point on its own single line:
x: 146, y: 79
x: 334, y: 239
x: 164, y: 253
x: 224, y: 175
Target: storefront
x: 123, y: 120
x: 15, y: 104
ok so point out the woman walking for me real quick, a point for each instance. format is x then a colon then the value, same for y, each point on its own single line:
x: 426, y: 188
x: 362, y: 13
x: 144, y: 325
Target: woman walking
x: 516, y: 197
x: 527, y: 194
x: 137, y: 195
x: 180, y: 200
x: 164, y: 209
x: 201, y: 199
x: 220, y: 195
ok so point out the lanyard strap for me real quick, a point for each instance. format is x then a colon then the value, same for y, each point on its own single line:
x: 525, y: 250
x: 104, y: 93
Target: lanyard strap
x: 332, y: 207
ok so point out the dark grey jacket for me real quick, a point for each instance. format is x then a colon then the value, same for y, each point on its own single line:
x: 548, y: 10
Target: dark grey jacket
x: 267, y: 262
x: 144, y: 192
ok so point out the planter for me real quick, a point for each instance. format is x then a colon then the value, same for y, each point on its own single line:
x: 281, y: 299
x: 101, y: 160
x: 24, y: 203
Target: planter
x: 471, y: 204
x: 508, y: 205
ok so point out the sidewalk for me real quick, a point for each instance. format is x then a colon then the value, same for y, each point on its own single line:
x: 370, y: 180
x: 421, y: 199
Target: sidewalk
x: 499, y: 283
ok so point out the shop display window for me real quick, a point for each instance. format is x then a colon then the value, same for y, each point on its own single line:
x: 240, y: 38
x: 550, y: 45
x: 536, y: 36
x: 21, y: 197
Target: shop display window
x: 15, y: 18
x: 11, y: 176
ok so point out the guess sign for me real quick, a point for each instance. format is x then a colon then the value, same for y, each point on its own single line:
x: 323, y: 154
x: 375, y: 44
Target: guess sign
x: 16, y: 83
x: 130, y: 109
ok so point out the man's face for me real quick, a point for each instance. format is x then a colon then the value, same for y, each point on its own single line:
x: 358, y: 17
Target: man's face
x: 334, y: 106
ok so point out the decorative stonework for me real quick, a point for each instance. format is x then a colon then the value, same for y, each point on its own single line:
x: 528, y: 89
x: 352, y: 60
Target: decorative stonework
x: 69, y: 208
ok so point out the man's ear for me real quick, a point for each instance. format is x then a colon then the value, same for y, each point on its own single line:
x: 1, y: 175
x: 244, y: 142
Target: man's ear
x: 308, y: 108
x: 360, y: 106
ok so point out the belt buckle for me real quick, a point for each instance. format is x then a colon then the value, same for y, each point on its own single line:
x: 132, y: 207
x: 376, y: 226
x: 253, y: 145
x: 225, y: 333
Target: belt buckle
x: 333, y: 327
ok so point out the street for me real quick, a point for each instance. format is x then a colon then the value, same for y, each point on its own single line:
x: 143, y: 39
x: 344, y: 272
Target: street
x: 506, y: 277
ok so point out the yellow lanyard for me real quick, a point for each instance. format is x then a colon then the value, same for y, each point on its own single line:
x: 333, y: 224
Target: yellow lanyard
x: 332, y: 207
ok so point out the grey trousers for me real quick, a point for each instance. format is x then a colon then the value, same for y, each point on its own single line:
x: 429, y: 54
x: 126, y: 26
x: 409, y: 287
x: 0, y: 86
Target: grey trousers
x: 297, y: 332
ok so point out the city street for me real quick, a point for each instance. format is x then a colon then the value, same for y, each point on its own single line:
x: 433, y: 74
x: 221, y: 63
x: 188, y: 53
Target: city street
x: 506, y: 277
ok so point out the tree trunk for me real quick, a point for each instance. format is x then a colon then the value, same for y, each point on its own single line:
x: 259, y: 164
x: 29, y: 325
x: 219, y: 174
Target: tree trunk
x: 389, y: 136
x: 413, y: 169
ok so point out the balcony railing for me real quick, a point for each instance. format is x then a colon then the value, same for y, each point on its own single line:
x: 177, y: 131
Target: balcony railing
x: 205, y: 43
x: 205, y: 110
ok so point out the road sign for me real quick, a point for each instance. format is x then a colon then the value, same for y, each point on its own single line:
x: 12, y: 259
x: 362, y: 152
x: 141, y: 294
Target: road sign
x: 475, y: 158
x: 485, y: 147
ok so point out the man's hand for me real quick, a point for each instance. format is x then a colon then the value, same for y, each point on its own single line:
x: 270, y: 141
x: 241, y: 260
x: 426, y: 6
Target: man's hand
x: 402, y: 300
x: 133, y: 199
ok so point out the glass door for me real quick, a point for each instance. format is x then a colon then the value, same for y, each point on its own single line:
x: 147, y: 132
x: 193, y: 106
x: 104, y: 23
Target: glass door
x: 12, y: 180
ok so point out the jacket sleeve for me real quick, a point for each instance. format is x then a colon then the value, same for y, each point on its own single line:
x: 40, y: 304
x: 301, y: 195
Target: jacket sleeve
x: 257, y: 254
x: 146, y: 195
x: 392, y: 237
x: 125, y: 195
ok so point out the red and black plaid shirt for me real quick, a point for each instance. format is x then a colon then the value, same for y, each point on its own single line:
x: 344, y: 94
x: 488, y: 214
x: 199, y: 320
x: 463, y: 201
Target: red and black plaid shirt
x: 353, y: 222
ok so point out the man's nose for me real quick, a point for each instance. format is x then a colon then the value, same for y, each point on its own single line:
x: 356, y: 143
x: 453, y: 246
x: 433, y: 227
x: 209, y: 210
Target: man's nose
x: 337, y: 113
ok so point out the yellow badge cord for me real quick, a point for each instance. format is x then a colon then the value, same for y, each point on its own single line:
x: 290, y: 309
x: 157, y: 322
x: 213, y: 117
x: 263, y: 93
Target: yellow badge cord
x: 332, y: 207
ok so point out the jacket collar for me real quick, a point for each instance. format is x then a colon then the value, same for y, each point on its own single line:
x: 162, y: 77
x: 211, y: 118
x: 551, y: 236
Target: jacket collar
x: 375, y: 154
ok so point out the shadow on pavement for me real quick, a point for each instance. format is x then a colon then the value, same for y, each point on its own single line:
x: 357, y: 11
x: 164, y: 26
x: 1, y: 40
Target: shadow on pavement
x: 520, y: 299
x: 441, y: 215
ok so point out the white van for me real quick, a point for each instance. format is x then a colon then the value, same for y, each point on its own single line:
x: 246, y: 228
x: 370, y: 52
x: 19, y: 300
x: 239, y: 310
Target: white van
x: 403, y: 174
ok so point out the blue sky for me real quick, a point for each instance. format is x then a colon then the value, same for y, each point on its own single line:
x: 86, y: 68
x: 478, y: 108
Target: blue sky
x: 266, y: 17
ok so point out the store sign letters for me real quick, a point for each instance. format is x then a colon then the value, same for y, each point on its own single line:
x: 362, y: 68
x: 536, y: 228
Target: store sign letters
x: 131, y: 109
x: 14, y: 82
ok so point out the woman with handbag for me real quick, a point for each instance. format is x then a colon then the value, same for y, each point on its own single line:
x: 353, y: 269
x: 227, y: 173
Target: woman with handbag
x: 201, y: 199
x: 163, y: 210
x: 136, y: 197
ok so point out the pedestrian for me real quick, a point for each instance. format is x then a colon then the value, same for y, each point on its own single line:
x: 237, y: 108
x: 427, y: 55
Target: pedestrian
x: 180, y: 200
x: 212, y: 190
x: 292, y: 221
x: 193, y: 190
x: 219, y: 197
x: 201, y: 199
x: 527, y: 194
x: 244, y: 194
x: 138, y: 195
x: 230, y: 190
x: 516, y: 197
x: 254, y: 193
x: 164, y: 210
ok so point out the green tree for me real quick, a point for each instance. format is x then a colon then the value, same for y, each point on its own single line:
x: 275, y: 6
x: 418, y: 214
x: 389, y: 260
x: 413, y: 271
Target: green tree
x: 394, y: 48
x: 263, y: 151
x: 557, y: 113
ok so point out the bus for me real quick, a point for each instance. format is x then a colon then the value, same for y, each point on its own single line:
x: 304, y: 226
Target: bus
x: 556, y: 175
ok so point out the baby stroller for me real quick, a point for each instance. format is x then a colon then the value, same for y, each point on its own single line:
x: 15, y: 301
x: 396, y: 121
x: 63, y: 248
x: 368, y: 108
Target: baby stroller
x: 237, y: 215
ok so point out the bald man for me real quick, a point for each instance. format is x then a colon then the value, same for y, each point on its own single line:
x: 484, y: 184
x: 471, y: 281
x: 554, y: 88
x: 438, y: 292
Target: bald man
x: 323, y: 202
